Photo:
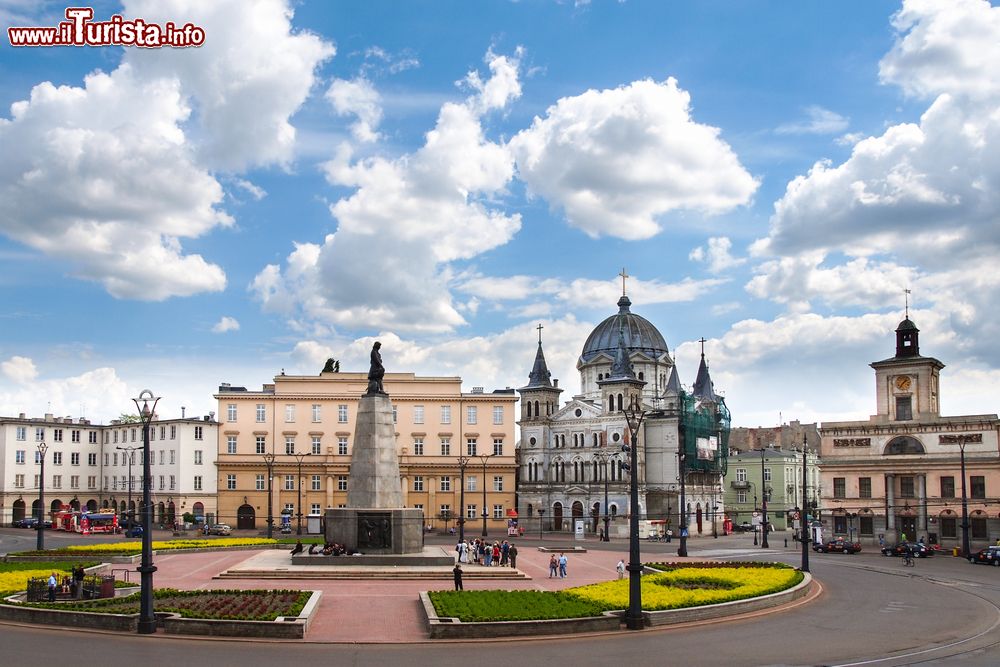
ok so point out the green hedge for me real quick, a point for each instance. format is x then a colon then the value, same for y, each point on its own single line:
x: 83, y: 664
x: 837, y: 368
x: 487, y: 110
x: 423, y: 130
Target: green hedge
x: 482, y: 606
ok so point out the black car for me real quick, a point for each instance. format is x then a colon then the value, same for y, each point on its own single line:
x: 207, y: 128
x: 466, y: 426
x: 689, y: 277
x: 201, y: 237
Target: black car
x: 915, y: 548
x: 838, y: 547
x: 987, y: 556
x: 26, y: 522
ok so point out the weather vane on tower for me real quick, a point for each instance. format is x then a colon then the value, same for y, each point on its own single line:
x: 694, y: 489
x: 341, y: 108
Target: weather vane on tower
x: 906, y: 298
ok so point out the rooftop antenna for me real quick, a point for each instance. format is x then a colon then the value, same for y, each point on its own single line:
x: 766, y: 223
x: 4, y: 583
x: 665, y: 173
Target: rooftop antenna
x: 624, y: 274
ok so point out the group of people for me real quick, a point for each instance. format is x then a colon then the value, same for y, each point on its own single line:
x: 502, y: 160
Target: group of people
x: 557, y: 566
x: 329, y: 549
x: 71, y: 584
x: 481, y: 552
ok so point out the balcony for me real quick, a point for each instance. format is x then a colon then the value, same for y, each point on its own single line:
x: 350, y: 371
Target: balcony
x: 740, y: 486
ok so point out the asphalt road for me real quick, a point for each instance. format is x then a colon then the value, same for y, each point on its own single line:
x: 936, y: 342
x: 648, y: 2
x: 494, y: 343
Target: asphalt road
x: 873, y: 611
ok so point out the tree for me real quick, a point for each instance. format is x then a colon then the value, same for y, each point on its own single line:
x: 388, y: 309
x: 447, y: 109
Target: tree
x: 126, y: 418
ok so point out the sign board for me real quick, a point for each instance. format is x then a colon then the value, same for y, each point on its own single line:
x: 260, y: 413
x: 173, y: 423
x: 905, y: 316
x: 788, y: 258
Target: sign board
x: 578, y: 529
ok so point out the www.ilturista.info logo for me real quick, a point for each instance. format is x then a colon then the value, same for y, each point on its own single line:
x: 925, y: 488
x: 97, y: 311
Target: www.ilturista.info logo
x: 80, y: 30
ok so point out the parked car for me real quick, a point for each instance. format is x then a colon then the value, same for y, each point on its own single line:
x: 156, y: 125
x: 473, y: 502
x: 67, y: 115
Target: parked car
x: 26, y: 522
x: 134, y: 531
x: 987, y: 556
x: 918, y: 550
x: 838, y: 547
x: 744, y: 527
x: 219, y: 529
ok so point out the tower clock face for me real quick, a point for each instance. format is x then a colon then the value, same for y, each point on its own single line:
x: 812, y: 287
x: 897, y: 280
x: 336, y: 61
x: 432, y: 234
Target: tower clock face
x: 903, y: 382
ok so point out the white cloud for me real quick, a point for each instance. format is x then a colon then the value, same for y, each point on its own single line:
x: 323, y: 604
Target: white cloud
x: 253, y: 72
x: 406, y: 220
x: 819, y: 121
x: 255, y: 191
x: 19, y: 369
x: 70, y: 396
x: 716, y: 255
x: 225, y: 324
x: 358, y: 98
x: 617, y: 160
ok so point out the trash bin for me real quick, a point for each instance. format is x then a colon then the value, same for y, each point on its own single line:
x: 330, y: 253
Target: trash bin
x: 955, y: 551
x: 107, y: 587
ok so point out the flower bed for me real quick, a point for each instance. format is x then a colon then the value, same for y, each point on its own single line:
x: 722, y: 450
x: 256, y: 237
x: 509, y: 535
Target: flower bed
x: 679, y: 586
x: 242, y: 605
x: 132, y: 548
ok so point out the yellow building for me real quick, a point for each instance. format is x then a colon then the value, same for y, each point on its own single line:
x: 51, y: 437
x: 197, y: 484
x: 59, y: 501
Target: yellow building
x: 307, y: 423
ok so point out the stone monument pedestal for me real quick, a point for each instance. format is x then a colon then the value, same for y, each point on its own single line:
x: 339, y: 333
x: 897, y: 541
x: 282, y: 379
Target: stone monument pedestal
x: 398, y: 530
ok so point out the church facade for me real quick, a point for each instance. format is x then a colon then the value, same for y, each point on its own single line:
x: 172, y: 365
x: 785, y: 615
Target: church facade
x: 572, y: 453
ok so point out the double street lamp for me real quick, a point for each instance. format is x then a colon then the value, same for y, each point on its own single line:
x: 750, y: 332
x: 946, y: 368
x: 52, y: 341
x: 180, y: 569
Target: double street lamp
x: 463, y: 461
x: 963, y: 440
x: 269, y: 462
x: 634, y: 415
x: 130, y: 457
x: 603, y: 458
x: 298, y: 504
x: 40, y: 526
x: 147, y: 620
x: 763, y: 504
x: 484, y: 458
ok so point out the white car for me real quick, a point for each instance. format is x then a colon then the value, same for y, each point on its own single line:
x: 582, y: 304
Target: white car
x: 220, y: 529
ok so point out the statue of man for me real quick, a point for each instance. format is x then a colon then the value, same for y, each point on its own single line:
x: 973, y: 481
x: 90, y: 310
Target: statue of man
x: 376, y: 372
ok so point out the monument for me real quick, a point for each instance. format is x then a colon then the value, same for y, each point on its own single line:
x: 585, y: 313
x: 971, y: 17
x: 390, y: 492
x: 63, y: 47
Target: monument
x: 375, y: 522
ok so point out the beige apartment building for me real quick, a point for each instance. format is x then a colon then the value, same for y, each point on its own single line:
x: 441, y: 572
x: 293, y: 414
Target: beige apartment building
x: 307, y: 423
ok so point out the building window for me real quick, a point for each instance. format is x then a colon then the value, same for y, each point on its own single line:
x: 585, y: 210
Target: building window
x: 22, y: 433
x: 230, y: 444
x: 470, y: 511
x: 470, y: 446
x: 342, y: 445
x: 172, y: 456
x: 342, y: 482
x: 105, y: 460
x: 163, y: 433
x: 977, y: 484
x: 289, y: 413
x: 864, y: 487
x: 395, y: 414
x: 74, y: 458
x: 904, y: 408
x: 317, y: 483
x: 498, y: 414
x: 446, y: 483
x: 57, y: 458
x: 866, y: 525
x: 19, y: 481
x: 92, y: 437
x: 741, y: 497
x: 948, y: 487
x: 316, y: 415
x: 57, y: 434
x: 342, y: 414
x: 289, y: 444
x: 289, y: 509
x: 418, y: 483
x: 839, y: 487
x: 498, y: 483
x: 314, y: 508
x: 74, y: 436
x: 471, y: 482
x: 289, y: 482
x: 741, y: 474
x: 906, y: 487
x: 39, y: 434
x: 259, y: 444
x: 767, y: 474
x: 316, y: 445
x: 261, y: 413
x: 197, y: 482
x: 259, y: 482
x: 471, y: 414
x: 839, y: 523
x: 418, y: 446
x: 231, y: 482
x: 976, y: 523
x: 92, y: 459
x: 92, y: 482
x: 19, y: 456
x: 445, y: 446
x: 56, y: 481
x: 197, y: 457
x: 173, y: 483
x: 445, y: 414
x: 418, y: 414
x: 231, y: 412
x: 498, y: 511
x: 173, y: 432
x: 198, y: 431
x: 497, y: 446
x: 949, y: 527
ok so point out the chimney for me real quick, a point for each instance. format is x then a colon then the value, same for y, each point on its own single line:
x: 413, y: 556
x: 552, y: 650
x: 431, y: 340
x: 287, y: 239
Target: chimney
x: 182, y: 411
x: 555, y: 383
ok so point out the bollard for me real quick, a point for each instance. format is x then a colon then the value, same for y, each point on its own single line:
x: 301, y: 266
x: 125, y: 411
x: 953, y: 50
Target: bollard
x: 786, y: 542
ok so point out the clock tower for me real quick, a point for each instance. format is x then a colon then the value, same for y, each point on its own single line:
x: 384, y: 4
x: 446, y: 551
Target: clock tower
x: 907, y: 384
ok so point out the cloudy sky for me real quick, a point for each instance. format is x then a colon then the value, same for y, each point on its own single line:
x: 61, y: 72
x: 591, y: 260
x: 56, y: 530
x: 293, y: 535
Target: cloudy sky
x: 444, y: 176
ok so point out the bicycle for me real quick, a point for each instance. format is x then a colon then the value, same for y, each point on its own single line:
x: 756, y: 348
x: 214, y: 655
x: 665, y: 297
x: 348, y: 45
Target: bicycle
x: 908, y: 560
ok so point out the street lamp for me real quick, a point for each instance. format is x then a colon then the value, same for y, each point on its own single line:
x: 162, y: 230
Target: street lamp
x: 484, y: 458
x: 966, y: 549
x: 147, y: 620
x: 682, y: 550
x: 805, y: 511
x: 763, y: 503
x: 298, y: 505
x: 130, y: 457
x: 603, y: 458
x: 269, y: 462
x: 463, y: 461
x: 634, y: 415
x: 541, y: 523
x: 40, y: 526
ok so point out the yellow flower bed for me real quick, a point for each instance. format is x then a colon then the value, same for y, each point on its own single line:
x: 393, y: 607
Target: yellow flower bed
x: 12, y: 582
x: 166, y: 545
x: 660, y: 591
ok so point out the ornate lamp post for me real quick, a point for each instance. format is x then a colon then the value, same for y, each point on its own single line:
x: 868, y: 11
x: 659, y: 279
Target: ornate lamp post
x: 298, y: 484
x: 603, y: 458
x: 763, y: 504
x: 40, y: 526
x: 130, y: 457
x: 484, y: 458
x: 805, y: 511
x: 682, y: 549
x: 147, y: 620
x: 966, y: 549
x: 634, y: 415
x: 541, y: 523
x: 463, y: 461
x: 752, y: 525
x: 269, y: 462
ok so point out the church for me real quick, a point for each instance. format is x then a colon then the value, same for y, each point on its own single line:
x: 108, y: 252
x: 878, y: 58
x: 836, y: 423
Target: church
x: 573, y: 454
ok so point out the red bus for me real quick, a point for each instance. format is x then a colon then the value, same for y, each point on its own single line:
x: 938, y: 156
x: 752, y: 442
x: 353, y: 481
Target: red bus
x: 103, y: 522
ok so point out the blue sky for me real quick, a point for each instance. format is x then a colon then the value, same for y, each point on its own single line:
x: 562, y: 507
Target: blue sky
x: 444, y: 176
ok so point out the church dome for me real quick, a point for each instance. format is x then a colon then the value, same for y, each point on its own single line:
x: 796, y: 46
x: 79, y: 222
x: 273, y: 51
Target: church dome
x: 640, y: 335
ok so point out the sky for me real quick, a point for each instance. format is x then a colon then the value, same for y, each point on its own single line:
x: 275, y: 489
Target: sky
x: 446, y: 176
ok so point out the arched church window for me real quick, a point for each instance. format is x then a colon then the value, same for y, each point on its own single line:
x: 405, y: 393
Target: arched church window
x: 536, y: 407
x: 611, y: 403
x: 600, y: 376
x: 619, y: 403
x: 904, y: 444
x: 640, y: 376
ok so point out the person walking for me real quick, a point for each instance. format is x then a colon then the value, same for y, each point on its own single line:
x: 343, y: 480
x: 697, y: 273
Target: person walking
x: 53, y: 582
x: 562, y: 566
x: 458, y: 576
x: 512, y: 555
x: 504, y: 553
x: 621, y: 568
x: 553, y: 566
